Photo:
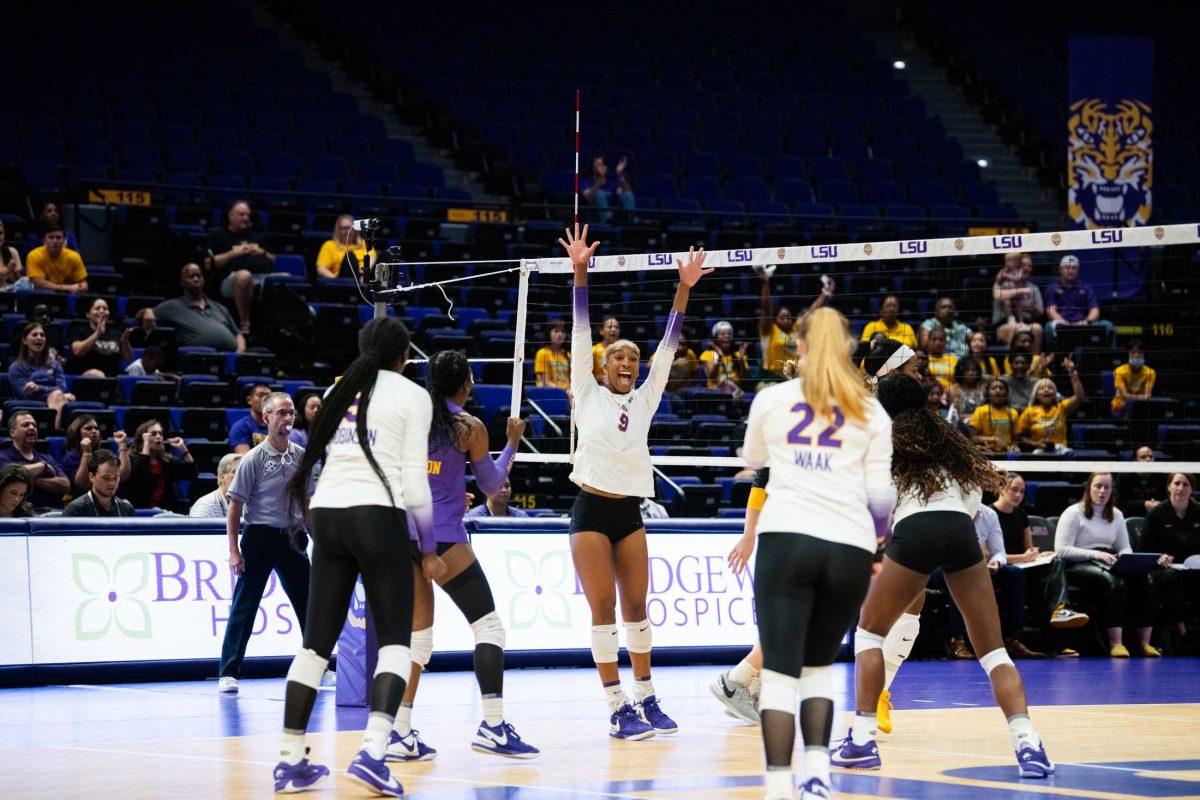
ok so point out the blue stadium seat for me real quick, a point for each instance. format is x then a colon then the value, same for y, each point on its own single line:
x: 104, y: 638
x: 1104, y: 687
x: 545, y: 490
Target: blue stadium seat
x: 794, y: 190
x: 280, y: 165
x: 700, y: 187
x: 233, y: 162
x: 744, y: 165
x: 747, y: 190
x: 328, y: 168
x: 677, y: 141
x: 657, y: 185
x: 785, y: 166
x: 978, y: 194
x: 829, y: 168
x: 837, y: 192
x: 763, y: 142
x: 701, y: 164
x: 930, y: 192
x: 720, y: 142
x: 807, y: 146
x: 885, y: 193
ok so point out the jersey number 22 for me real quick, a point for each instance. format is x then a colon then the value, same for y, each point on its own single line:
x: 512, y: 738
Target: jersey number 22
x: 826, y: 438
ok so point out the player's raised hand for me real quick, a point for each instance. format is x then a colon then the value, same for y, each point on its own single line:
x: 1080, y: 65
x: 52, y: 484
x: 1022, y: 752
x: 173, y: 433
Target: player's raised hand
x: 579, y: 251
x: 691, y: 272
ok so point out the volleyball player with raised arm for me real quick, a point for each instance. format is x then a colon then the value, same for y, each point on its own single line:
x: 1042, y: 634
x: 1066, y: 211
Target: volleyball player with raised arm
x: 612, y: 469
x: 940, y: 477
x: 828, y: 445
x: 373, y: 433
x: 454, y: 438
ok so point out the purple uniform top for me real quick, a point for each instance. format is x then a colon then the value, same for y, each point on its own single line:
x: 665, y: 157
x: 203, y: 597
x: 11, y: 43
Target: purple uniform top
x: 448, y: 483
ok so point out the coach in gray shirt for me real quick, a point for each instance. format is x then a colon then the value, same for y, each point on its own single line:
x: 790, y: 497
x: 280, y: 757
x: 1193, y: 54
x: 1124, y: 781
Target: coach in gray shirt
x: 259, y: 489
x: 214, y: 504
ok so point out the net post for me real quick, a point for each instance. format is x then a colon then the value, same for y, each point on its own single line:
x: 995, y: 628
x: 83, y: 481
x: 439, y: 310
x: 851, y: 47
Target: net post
x: 383, y: 274
x: 518, y: 374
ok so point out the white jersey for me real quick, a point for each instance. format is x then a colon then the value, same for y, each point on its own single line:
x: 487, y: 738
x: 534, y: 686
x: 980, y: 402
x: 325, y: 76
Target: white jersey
x: 829, y: 478
x: 612, y: 452
x: 398, y: 421
x: 953, y: 498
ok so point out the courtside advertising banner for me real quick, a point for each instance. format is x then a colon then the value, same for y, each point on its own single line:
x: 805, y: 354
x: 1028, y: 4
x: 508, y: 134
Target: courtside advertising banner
x: 166, y: 597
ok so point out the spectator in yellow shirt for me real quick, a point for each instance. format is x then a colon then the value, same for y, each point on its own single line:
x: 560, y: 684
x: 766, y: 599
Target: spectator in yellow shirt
x: 610, y: 331
x: 889, y: 324
x: 1133, y: 380
x: 552, y: 364
x: 55, y: 266
x: 941, y: 364
x: 333, y: 252
x: 994, y: 423
x: 977, y: 343
x: 1044, y: 423
x: 724, y: 367
x: 777, y: 328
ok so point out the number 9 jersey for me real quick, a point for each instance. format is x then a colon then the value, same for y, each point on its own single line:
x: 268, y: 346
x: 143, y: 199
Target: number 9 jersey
x: 829, y: 477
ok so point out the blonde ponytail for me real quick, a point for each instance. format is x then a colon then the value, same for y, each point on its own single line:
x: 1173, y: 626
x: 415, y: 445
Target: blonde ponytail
x: 829, y: 379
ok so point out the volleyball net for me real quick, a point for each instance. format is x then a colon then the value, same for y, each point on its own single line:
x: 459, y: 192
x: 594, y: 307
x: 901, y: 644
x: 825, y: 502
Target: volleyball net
x: 1144, y: 279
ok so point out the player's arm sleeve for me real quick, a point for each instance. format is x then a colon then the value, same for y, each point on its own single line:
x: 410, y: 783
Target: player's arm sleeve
x: 877, y: 471
x: 758, y: 492
x: 754, y: 448
x: 490, y: 475
x: 660, y: 367
x: 582, y: 380
x: 414, y: 468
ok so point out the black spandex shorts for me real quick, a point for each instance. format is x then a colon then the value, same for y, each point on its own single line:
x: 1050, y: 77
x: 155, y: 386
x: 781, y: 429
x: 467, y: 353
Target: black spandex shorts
x: 807, y: 592
x: 414, y: 549
x: 930, y: 539
x: 615, y: 517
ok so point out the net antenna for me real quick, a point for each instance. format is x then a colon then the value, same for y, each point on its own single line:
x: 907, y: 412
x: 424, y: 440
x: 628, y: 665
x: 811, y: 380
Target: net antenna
x: 571, y: 442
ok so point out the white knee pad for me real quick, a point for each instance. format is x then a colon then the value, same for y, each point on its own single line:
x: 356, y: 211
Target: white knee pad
x: 604, y: 644
x: 307, y: 668
x: 778, y: 692
x: 996, y: 658
x: 638, y: 636
x: 394, y: 658
x: 489, y: 630
x: 815, y: 682
x: 865, y: 640
x: 900, y: 639
x: 422, y: 646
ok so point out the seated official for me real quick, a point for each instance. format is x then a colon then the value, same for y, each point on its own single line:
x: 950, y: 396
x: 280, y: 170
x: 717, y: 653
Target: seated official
x: 104, y: 472
x: 216, y: 503
x: 1091, y: 535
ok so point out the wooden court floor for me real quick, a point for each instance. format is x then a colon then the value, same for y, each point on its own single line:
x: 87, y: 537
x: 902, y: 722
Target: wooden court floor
x: 1116, y: 730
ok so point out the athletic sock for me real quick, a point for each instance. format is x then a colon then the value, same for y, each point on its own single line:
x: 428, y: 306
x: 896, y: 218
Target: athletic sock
x: 743, y: 673
x: 403, y: 723
x: 864, y: 729
x: 1020, y: 726
x: 642, y: 688
x: 291, y: 746
x: 816, y: 763
x: 616, y: 697
x: 779, y: 783
x: 493, y: 709
x: 375, y: 737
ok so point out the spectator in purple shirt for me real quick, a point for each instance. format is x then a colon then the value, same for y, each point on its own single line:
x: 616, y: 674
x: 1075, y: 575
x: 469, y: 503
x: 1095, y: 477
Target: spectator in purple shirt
x: 497, y: 505
x: 1069, y: 302
x: 50, y: 483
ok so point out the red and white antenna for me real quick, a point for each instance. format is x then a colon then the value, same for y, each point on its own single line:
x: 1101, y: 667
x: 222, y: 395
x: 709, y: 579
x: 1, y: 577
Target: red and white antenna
x: 576, y: 156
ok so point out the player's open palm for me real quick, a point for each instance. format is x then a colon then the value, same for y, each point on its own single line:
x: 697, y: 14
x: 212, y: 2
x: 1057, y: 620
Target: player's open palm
x: 579, y: 251
x: 693, y: 270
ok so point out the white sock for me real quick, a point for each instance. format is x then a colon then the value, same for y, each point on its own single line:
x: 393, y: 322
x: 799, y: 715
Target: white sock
x: 743, y: 673
x: 493, y: 709
x: 616, y: 697
x: 642, y: 688
x: 403, y: 723
x: 864, y: 729
x: 1020, y: 726
x: 889, y: 674
x: 816, y: 763
x: 375, y: 737
x: 779, y: 783
x: 291, y: 747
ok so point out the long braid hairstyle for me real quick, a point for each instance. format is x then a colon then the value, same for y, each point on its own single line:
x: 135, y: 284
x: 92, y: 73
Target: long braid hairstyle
x: 928, y: 453
x: 445, y: 374
x: 382, y: 345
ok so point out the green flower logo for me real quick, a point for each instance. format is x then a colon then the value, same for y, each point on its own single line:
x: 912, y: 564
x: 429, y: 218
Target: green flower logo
x: 541, y: 589
x: 110, y: 596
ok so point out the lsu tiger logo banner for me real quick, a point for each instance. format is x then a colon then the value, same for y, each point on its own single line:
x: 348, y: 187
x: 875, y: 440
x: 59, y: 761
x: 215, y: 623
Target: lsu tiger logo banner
x: 1110, y: 154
